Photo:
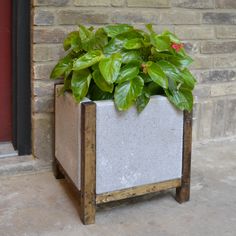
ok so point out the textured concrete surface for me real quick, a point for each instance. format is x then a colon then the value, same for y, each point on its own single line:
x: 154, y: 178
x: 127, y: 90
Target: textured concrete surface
x: 7, y: 150
x: 37, y: 204
x: 123, y: 163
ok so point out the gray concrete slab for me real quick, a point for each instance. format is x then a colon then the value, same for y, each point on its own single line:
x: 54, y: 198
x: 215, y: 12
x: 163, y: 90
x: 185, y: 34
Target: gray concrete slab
x: 37, y: 204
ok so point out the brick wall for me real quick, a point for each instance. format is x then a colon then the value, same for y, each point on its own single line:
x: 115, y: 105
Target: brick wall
x: 208, y: 28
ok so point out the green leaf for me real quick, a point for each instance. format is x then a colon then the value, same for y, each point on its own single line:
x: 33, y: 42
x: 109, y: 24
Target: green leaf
x: 72, y: 41
x: 114, y: 30
x: 133, y: 56
x: 61, y: 67
x: 133, y: 44
x: 80, y: 84
x: 173, y: 37
x: 162, y: 43
x: 101, y: 39
x: 93, y: 41
x: 170, y: 70
x: 115, y: 45
x: 97, y: 94
x: 154, y: 89
x: 87, y: 60
x: 142, y: 100
x: 157, y: 74
x: 179, y: 61
x: 150, y: 28
x: 146, y: 78
x: 101, y: 82
x: 188, y: 79
x: 127, y: 92
x: 182, y: 99
x: 128, y: 72
x: 110, y: 67
x: 87, y: 38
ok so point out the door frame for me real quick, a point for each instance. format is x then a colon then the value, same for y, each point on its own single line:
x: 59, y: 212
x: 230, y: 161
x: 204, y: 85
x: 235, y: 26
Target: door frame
x: 21, y: 76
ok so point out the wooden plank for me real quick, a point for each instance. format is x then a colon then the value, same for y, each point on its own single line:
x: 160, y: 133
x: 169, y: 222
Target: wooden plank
x: 137, y: 191
x: 88, y: 162
x: 183, y: 192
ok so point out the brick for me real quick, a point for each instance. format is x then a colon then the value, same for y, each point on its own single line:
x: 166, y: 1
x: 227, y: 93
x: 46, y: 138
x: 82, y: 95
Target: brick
x: 230, y: 120
x: 217, y: 47
x: 43, y: 104
x: 191, y: 47
x: 180, y: 17
x: 218, y: 119
x: 226, y: 32
x: 43, y: 17
x: 223, y: 89
x: 197, y: 75
x: 202, y: 62
x: 195, y: 32
x: 47, y: 52
x: 195, y: 122
x: 226, y: 4
x: 201, y: 91
x: 43, y: 136
x: 56, y: 3
x: 96, y: 3
x: 43, y: 88
x: 42, y: 71
x: 197, y: 4
x: 134, y: 16
x: 213, y: 76
x: 219, y: 18
x: 160, y: 28
x: 48, y: 35
x: 72, y: 17
x: 222, y: 61
x: 117, y: 3
x: 205, y: 117
x: 149, y: 3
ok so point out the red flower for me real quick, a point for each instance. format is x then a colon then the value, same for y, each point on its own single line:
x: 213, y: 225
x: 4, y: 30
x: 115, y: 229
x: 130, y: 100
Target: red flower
x: 177, y: 46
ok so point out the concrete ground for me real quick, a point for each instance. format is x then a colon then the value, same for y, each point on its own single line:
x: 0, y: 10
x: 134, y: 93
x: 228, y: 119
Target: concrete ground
x: 37, y: 204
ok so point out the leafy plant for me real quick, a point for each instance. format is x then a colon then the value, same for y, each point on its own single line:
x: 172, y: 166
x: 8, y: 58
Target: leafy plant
x: 126, y: 64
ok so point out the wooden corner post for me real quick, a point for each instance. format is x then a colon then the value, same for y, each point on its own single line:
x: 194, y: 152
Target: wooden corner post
x: 183, y: 192
x: 88, y: 162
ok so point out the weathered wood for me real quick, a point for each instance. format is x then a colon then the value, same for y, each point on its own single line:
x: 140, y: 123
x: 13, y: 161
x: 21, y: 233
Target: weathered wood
x: 88, y: 162
x: 137, y: 191
x: 183, y: 192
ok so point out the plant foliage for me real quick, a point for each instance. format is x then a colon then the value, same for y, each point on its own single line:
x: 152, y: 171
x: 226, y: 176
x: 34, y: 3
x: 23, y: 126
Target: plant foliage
x: 126, y: 64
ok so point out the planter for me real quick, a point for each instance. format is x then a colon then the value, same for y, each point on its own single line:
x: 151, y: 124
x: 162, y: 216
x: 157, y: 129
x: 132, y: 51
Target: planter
x: 110, y: 155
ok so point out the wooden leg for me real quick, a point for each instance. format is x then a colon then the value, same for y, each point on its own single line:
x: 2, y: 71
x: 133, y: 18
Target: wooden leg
x: 183, y: 192
x: 88, y: 162
x: 56, y: 170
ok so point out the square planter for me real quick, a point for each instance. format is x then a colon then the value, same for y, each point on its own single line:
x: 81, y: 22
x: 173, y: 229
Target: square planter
x: 110, y: 155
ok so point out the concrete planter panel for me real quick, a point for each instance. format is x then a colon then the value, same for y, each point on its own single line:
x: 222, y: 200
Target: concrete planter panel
x: 136, y: 149
x: 131, y: 149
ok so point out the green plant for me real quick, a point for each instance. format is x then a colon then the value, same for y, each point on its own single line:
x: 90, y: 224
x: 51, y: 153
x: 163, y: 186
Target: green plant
x: 126, y: 64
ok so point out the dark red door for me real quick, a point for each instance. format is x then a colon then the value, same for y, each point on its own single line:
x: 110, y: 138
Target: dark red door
x: 5, y: 71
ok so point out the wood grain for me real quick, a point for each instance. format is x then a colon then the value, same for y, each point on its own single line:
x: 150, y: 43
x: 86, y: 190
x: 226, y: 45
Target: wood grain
x: 88, y: 162
x: 183, y: 192
x: 137, y: 191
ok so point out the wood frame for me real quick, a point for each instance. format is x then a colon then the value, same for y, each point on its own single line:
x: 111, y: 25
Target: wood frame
x: 87, y: 195
x: 21, y: 76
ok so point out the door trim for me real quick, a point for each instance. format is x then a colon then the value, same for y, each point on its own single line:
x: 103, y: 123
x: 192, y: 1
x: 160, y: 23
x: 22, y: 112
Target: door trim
x: 21, y: 75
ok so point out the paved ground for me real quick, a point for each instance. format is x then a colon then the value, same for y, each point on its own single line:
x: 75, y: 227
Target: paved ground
x: 37, y: 204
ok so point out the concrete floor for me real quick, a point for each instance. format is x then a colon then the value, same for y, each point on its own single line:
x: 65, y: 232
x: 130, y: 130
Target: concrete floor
x: 37, y: 204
